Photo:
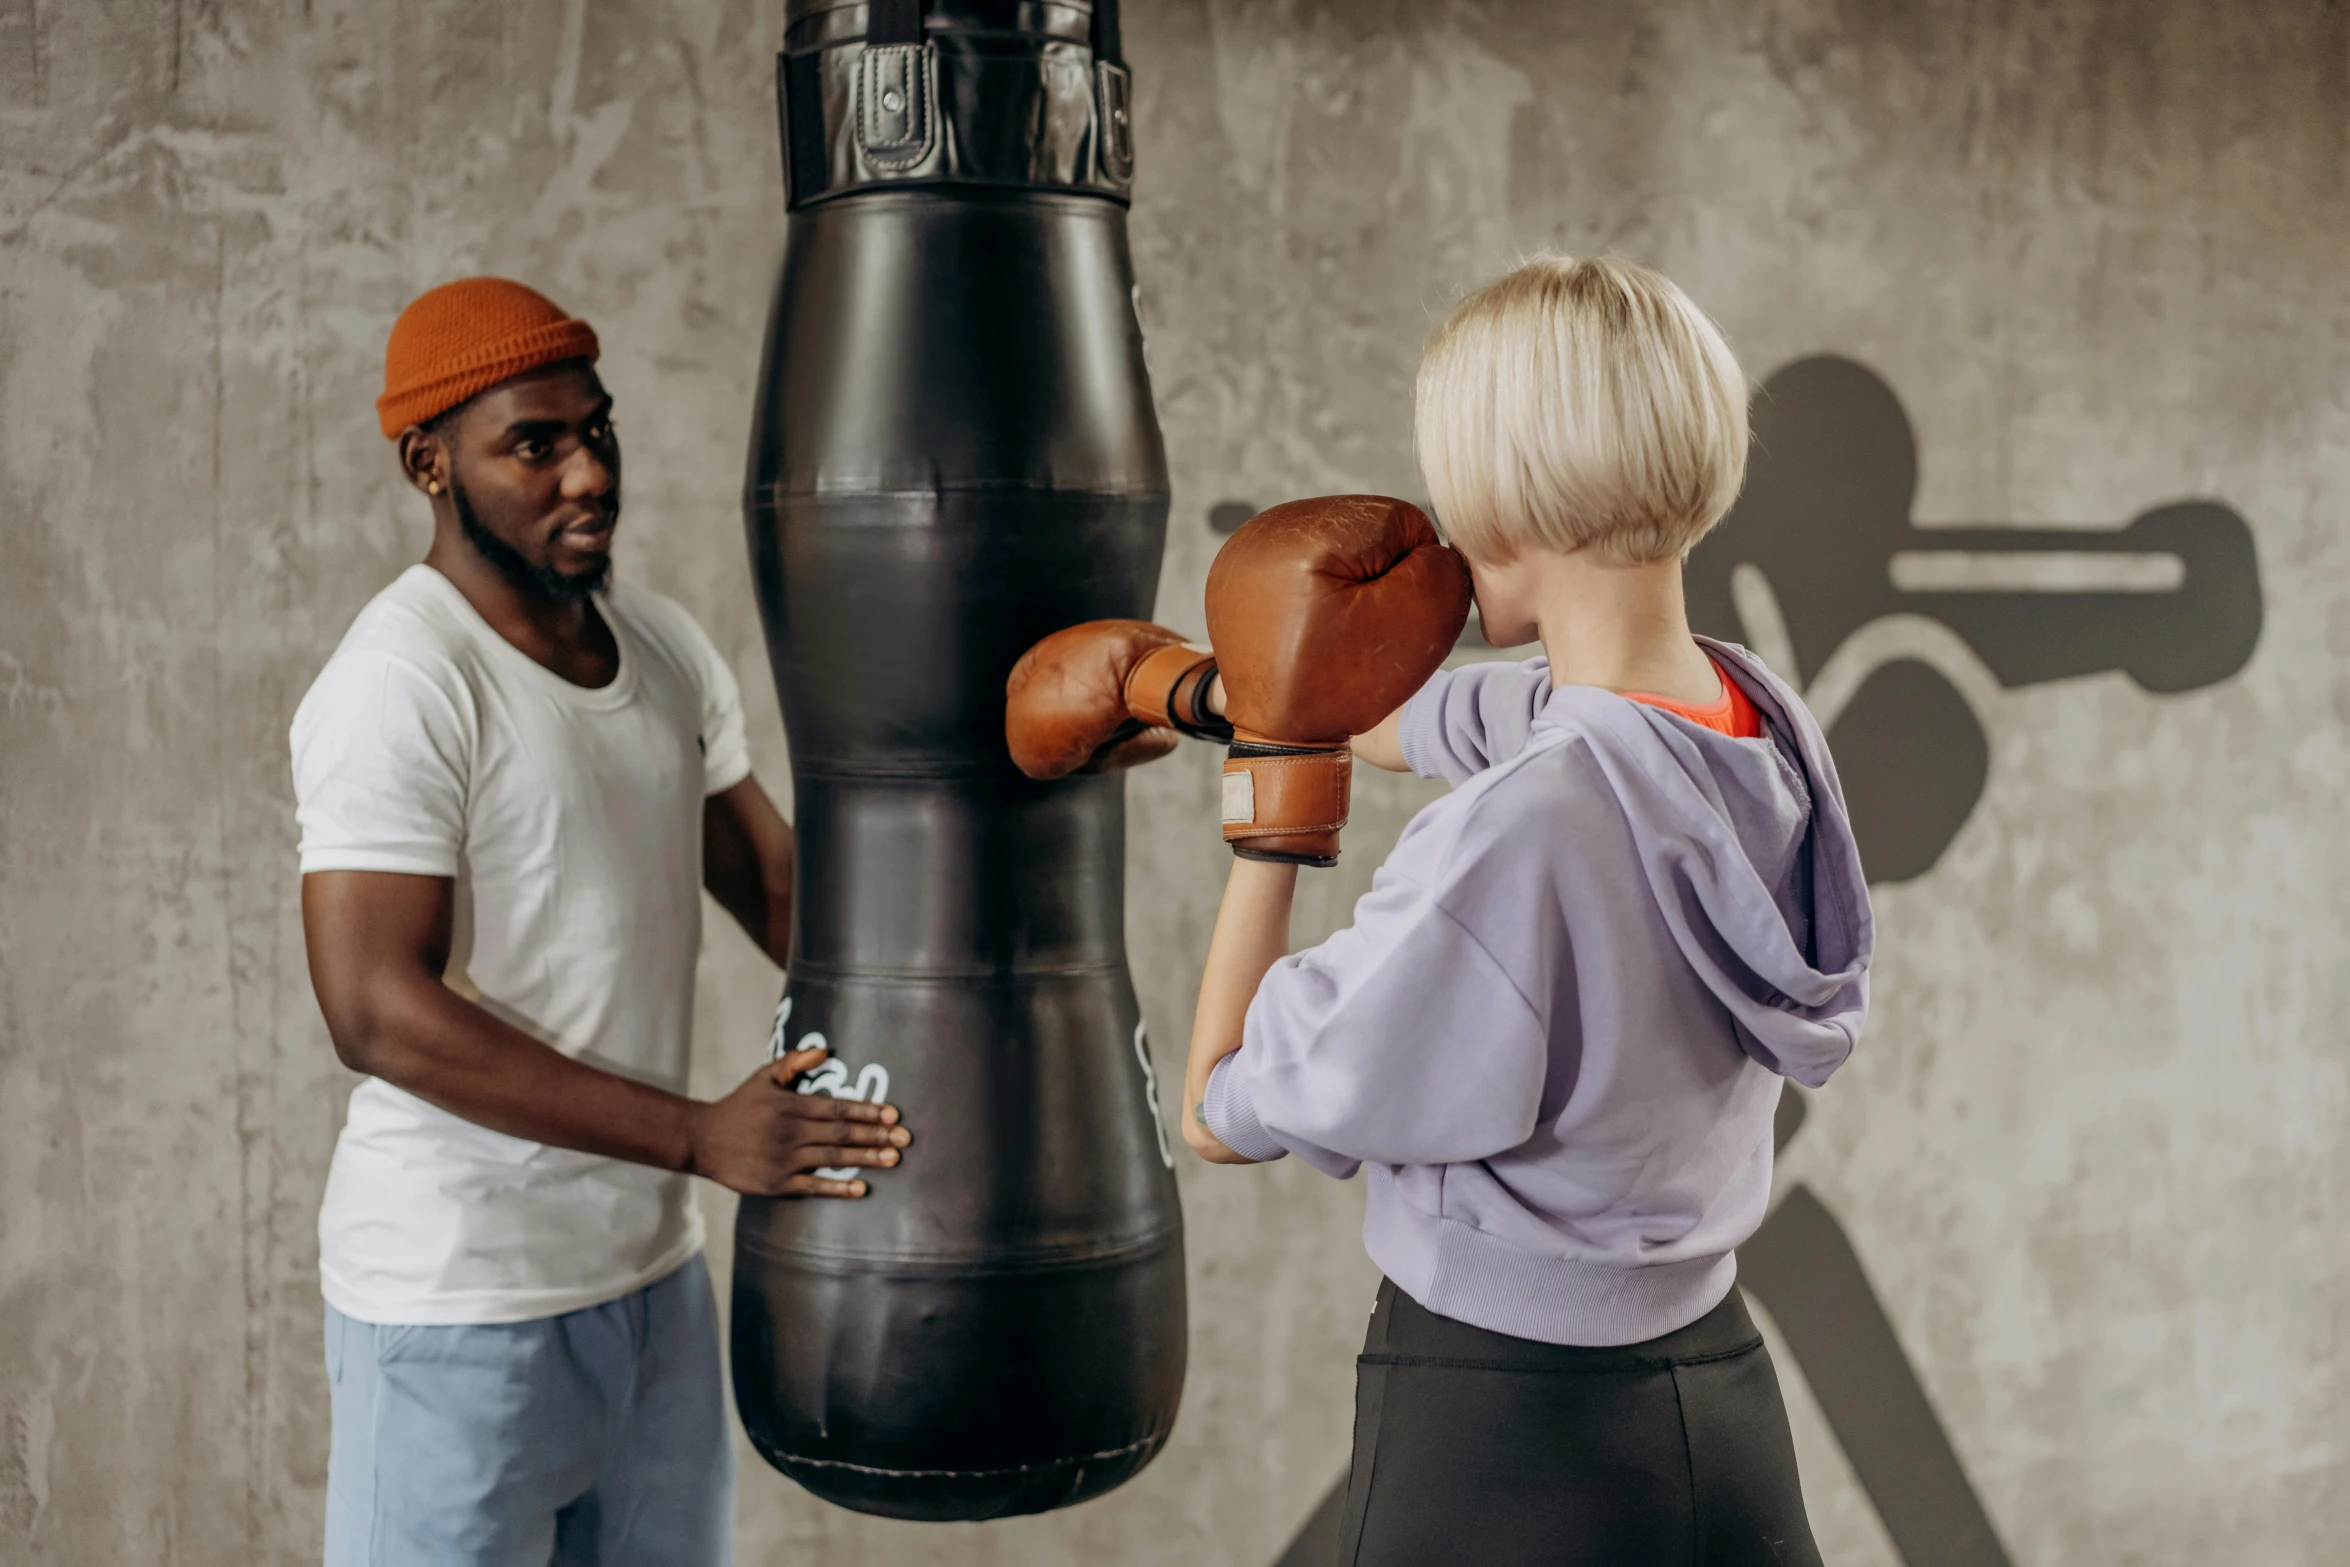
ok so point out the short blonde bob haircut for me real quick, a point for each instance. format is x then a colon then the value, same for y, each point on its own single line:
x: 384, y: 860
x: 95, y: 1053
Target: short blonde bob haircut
x: 1580, y: 404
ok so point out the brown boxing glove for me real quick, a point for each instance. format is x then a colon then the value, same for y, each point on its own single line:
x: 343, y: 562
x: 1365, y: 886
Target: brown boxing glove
x: 1105, y: 695
x: 1326, y: 615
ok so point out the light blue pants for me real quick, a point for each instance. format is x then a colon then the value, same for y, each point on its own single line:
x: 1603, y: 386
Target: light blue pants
x: 594, y: 1439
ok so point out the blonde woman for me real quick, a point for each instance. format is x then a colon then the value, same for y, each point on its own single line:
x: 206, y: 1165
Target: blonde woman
x: 1556, y: 1031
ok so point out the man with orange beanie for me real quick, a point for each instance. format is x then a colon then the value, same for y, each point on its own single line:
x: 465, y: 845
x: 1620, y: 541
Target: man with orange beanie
x: 514, y: 778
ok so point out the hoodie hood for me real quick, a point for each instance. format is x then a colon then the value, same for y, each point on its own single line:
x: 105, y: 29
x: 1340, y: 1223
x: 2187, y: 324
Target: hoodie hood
x: 1748, y: 850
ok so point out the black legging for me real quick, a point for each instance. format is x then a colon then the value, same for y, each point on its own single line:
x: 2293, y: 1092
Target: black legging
x: 1477, y: 1447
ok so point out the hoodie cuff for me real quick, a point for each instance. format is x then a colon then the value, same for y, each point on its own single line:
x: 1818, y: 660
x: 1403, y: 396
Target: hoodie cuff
x: 1225, y: 1110
x: 1420, y: 715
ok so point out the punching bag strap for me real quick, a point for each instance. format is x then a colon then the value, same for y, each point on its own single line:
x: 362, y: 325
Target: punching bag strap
x: 893, y: 22
x: 897, y: 83
x: 1113, y: 97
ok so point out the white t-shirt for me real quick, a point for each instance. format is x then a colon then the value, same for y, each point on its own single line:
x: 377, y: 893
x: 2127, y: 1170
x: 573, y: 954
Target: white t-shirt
x: 571, y: 820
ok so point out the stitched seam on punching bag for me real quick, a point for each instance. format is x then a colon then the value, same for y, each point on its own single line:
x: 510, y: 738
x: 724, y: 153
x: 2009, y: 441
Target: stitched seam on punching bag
x: 901, y: 1267
x: 764, y: 495
x: 975, y: 1474
x: 990, y: 1264
x: 872, y: 190
x: 905, y: 974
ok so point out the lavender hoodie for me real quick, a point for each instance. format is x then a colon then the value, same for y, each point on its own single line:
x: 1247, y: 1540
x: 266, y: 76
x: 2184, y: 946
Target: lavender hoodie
x: 1556, y: 1029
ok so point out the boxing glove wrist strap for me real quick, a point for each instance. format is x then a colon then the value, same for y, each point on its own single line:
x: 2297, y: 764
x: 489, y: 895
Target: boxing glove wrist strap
x: 1286, y: 802
x: 1169, y: 688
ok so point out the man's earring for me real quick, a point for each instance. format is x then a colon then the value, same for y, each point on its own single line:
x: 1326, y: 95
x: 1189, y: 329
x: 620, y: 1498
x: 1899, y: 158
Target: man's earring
x: 432, y: 486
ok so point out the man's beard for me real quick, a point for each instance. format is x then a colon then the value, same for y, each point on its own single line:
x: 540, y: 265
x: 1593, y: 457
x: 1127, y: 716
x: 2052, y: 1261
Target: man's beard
x: 520, y: 574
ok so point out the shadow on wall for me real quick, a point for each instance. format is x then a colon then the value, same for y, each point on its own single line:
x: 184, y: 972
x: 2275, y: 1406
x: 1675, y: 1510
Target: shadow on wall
x: 1900, y: 637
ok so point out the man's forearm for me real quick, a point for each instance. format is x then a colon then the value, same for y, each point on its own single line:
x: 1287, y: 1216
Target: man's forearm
x: 747, y: 858
x: 425, y: 1038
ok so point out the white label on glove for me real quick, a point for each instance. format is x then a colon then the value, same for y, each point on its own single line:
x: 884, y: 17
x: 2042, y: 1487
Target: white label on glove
x: 1240, y: 798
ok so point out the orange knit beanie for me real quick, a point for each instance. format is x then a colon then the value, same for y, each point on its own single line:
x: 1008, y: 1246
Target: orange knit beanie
x: 465, y: 337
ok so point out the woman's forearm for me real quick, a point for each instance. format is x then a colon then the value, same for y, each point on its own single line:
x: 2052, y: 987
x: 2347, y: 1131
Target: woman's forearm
x: 1383, y: 746
x: 1252, y: 934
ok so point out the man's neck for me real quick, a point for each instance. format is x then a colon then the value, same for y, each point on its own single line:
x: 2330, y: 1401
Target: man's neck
x: 563, y: 633
x: 1624, y: 628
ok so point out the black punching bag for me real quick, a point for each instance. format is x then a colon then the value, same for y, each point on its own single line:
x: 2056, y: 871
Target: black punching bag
x: 955, y: 454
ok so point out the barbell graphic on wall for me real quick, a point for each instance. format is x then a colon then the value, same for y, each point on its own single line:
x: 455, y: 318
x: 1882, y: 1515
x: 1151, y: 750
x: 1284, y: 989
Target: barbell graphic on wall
x: 1901, y: 638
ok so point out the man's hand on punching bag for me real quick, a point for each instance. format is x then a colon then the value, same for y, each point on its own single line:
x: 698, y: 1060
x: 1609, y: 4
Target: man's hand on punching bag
x: 766, y: 1139
x: 1105, y: 695
x: 1326, y: 615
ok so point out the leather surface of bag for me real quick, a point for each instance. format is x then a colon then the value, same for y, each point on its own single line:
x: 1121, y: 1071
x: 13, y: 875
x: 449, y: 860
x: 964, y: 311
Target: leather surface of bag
x: 954, y: 455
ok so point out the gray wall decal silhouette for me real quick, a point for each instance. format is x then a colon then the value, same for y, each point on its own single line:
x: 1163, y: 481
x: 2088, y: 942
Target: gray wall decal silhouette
x: 1899, y: 636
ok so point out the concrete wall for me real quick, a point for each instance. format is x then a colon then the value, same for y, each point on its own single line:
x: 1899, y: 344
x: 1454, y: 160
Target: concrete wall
x: 2092, y: 1153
